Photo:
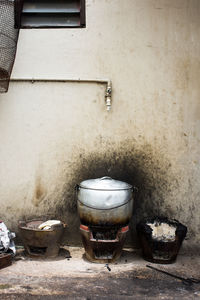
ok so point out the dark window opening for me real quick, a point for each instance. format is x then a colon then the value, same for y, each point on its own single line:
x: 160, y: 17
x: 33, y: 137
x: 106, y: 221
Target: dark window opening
x: 50, y: 13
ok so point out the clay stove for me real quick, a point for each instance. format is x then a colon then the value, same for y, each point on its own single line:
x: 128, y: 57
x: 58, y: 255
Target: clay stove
x: 102, y: 244
x: 38, y: 242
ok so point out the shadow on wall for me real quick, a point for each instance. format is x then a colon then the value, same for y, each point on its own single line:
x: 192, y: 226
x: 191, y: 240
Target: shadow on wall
x: 142, y: 167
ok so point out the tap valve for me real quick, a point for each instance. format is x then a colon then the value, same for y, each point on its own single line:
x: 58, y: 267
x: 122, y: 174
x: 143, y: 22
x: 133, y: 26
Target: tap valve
x: 108, y: 96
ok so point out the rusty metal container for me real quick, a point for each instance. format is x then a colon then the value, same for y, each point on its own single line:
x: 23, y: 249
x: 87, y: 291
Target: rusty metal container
x: 41, y: 243
x: 162, y: 250
x: 104, y: 202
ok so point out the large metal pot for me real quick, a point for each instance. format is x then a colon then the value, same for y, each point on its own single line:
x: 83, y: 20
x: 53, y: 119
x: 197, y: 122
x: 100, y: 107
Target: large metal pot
x: 105, y: 202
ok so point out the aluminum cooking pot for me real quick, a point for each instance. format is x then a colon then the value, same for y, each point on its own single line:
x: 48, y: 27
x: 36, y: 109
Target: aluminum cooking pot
x: 105, y: 201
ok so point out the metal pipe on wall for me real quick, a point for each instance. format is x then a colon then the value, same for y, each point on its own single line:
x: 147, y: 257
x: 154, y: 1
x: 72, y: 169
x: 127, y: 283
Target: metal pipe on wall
x: 108, y: 91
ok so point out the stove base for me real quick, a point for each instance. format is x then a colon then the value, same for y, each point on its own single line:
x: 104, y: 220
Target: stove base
x: 103, y: 245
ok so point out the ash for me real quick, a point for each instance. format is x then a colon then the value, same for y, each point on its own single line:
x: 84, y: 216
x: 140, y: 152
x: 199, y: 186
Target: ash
x: 163, y: 231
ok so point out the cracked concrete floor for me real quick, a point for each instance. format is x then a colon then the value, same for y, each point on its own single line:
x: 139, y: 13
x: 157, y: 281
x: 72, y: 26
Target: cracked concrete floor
x: 76, y: 278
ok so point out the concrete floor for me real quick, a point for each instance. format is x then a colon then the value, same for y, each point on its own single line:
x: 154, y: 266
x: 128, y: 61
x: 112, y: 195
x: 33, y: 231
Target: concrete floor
x: 76, y: 278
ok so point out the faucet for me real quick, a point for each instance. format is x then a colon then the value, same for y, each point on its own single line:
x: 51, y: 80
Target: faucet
x: 108, y: 95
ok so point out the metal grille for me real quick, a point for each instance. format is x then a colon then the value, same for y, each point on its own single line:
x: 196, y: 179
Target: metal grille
x: 8, y: 42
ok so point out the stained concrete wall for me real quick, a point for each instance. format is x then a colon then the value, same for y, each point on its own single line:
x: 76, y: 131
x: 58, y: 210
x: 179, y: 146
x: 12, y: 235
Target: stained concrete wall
x: 54, y: 135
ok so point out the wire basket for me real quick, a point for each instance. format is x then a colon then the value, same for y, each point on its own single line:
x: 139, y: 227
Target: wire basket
x: 8, y: 42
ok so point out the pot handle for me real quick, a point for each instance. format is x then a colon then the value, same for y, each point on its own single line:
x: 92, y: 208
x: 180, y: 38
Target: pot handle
x: 106, y: 178
x: 77, y: 187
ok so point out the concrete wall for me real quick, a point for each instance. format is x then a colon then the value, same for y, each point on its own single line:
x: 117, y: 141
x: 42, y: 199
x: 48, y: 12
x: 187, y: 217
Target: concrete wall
x: 54, y: 135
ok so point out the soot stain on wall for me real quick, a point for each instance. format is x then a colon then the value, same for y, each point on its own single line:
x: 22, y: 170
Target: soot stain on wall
x: 142, y: 167
x: 39, y: 192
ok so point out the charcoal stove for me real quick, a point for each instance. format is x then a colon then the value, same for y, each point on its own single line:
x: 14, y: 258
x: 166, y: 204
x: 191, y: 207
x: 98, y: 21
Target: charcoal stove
x: 105, y: 207
x: 40, y: 243
x: 103, y: 245
x: 161, y: 239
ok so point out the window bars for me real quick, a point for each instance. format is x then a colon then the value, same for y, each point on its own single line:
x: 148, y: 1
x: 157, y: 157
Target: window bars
x: 8, y: 40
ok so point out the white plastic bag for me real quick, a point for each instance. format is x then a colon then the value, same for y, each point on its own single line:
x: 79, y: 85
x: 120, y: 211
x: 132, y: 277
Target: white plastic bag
x: 6, y: 239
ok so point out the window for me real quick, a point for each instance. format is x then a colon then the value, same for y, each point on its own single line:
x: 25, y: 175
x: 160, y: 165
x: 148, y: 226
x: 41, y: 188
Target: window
x: 49, y: 13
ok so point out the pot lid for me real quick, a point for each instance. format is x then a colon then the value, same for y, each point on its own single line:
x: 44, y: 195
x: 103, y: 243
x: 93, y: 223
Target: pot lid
x: 105, y: 183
